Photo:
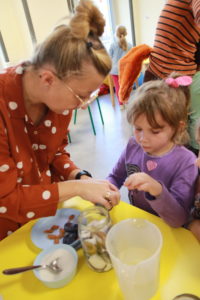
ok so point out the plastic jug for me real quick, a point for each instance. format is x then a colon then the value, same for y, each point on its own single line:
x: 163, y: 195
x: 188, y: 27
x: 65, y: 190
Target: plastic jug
x: 134, y: 247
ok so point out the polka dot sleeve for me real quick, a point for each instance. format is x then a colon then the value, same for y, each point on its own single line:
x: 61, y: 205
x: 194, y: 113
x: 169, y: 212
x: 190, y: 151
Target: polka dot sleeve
x: 24, y: 202
x: 20, y: 203
x: 62, y: 165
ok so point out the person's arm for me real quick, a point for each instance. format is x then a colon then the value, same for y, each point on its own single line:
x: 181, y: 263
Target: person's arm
x: 118, y: 174
x: 96, y: 191
x: 196, y: 11
x: 21, y: 203
x: 111, y: 50
x: 173, y: 204
x: 62, y: 167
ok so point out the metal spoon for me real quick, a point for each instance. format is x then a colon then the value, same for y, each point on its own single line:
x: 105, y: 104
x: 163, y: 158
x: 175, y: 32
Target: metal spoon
x: 53, y: 267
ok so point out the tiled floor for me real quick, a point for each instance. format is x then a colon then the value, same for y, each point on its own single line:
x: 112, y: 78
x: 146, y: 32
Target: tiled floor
x: 99, y: 153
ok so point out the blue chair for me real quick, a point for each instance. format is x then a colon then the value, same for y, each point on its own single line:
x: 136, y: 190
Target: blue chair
x: 139, y: 81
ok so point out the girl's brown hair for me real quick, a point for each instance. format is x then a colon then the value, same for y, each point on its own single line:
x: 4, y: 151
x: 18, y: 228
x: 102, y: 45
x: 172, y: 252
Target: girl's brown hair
x: 121, y: 33
x: 172, y: 103
x: 69, y: 46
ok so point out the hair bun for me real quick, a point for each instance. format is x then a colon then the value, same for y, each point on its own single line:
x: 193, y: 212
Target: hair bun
x: 87, y: 19
x: 96, y: 21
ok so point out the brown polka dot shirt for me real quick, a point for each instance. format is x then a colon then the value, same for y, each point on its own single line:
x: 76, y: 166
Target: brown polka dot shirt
x: 32, y: 158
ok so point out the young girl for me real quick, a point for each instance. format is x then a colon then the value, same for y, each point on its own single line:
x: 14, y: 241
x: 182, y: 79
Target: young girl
x: 158, y: 171
x: 117, y: 50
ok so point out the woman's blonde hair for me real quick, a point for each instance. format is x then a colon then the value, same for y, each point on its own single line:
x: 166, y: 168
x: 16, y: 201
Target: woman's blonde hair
x: 68, y: 47
x: 172, y: 103
x: 121, y: 33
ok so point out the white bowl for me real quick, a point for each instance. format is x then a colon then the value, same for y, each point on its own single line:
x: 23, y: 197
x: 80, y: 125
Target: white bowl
x: 68, y: 260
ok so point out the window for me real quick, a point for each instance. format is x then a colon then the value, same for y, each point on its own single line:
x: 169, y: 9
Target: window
x: 104, y: 7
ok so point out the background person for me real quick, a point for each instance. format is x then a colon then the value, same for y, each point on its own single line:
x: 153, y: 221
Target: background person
x: 176, y: 38
x: 117, y: 50
x: 194, y: 115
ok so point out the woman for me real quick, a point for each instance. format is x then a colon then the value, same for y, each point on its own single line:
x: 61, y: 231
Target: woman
x: 36, y: 103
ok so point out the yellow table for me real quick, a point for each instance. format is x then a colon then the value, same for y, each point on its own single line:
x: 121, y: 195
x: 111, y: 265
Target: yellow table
x: 180, y: 265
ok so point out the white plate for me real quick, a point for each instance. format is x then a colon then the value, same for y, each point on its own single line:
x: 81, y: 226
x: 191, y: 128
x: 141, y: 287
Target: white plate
x: 39, y: 237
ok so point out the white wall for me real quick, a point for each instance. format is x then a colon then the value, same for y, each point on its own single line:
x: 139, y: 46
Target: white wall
x: 146, y: 13
x: 14, y: 30
x: 121, y: 16
x: 46, y: 14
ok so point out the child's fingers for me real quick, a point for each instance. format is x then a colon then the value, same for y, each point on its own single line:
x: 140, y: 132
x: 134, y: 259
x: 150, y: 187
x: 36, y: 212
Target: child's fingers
x: 143, y: 187
x: 131, y: 186
x: 128, y: 181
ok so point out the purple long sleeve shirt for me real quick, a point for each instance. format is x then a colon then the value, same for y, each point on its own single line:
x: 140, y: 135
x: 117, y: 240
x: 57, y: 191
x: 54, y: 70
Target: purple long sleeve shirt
x: 175, y: 170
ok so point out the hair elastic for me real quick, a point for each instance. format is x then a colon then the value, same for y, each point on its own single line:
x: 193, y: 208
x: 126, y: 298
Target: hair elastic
x: 89, y: 45
x: 179, y: 81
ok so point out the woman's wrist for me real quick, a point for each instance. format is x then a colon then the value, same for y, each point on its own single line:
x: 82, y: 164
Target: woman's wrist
x: 79, y: 174
x: 83, y: 175
x: 68, y: 189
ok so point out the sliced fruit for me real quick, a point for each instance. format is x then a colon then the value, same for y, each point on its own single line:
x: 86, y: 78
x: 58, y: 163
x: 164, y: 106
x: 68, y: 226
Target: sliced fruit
x: 97, y: 262
x: 90, y: 248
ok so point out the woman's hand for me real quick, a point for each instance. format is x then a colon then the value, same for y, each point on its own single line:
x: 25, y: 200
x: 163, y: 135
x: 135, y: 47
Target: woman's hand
x: 99, y: 191
x: 143, y: 182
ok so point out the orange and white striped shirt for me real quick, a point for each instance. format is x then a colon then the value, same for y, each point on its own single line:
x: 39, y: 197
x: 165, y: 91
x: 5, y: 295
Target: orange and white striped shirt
x: 177, y: 33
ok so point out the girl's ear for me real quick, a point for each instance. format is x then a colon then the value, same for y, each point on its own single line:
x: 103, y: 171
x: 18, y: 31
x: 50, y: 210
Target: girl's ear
x: 182, y: 125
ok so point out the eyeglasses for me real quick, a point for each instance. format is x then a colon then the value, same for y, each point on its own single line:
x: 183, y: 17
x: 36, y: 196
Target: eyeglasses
x: 83, y: 102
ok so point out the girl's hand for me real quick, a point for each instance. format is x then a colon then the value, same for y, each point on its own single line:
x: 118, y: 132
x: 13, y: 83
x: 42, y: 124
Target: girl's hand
x: 143, y: 182
x: 98, y: 191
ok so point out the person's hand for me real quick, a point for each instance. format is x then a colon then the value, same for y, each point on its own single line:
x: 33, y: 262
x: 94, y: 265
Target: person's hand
x: 143, y: 182
x: 98, y: 191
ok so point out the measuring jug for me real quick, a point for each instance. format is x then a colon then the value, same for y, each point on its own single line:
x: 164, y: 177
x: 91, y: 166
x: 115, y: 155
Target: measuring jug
x: 134, y: 247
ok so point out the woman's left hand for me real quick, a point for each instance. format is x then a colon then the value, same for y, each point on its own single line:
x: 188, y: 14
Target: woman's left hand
x: 143, y: 182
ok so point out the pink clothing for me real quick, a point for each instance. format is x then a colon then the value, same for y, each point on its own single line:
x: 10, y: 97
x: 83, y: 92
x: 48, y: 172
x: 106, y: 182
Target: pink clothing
x: 116, y: 84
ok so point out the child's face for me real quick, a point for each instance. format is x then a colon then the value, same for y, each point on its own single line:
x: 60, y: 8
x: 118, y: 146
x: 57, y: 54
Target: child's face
x: 154, y: 141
